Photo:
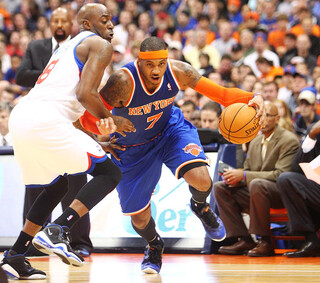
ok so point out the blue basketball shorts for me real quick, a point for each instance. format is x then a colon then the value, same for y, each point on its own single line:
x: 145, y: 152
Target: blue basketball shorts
x: 141, y: 165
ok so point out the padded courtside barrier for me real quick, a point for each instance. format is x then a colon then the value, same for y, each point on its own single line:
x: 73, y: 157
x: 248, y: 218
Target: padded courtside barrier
x: 6, y: 150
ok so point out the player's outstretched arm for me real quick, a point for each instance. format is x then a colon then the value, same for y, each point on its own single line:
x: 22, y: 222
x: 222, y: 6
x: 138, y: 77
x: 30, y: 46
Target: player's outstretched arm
x: 189, y: 77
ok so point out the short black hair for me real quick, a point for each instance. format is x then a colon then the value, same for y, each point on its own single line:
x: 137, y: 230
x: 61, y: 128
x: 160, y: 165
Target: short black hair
x: 153, y: 43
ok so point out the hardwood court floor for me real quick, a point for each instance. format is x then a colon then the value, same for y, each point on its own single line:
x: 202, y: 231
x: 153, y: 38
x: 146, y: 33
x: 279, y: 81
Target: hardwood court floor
x: 125, y: 268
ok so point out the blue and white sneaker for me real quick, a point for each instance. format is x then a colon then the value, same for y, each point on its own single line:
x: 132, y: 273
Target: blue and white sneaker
x: 16, y: 266
x: 152, y: 259
x: 211, y: 222
x: 55, y: 239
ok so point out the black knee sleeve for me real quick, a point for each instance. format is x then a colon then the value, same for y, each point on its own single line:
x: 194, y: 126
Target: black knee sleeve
x: 47, y: 201
x: 199, y: 196
x: 106, y: 176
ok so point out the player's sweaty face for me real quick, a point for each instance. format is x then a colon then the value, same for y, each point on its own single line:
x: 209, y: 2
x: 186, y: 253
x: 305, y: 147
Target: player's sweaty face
x: 153, y: 70
x: 103, y: 26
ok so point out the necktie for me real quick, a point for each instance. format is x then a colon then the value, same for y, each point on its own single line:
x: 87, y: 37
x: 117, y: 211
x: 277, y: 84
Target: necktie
x: 57, y: 46
x: 264, y: 149
x: 4, y: 141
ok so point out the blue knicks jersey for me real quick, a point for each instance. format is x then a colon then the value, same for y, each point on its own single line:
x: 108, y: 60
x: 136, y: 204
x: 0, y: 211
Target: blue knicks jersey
x: 149, y: 112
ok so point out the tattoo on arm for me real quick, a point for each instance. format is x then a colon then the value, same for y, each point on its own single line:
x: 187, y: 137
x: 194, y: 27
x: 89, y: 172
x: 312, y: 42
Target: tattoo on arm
x: 187, y: 75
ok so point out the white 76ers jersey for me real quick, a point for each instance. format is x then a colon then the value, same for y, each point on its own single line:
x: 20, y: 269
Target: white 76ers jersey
x: 60, y: 78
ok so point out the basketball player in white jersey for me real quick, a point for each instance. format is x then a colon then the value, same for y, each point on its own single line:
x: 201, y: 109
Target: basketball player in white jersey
x: 48, y: 146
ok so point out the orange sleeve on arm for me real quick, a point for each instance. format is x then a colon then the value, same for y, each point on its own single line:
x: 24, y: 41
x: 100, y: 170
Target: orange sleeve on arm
x: 88, y: 121
x: 222, y: 95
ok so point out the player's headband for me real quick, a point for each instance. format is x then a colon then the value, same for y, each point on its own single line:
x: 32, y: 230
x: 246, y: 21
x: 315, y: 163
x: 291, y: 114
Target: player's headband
x: 150, y: 55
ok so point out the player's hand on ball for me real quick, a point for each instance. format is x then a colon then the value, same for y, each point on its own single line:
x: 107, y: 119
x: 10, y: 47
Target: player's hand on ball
x: 258, y: 101
x: 111, y: 145
x: 106, y: 126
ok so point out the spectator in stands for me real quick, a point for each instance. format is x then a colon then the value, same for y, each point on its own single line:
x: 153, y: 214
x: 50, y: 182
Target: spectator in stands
x: 132, y: 7
x: 303, y: 50
x: 225, y: 42
x: 195, y: 118
x: 14, y: 44
x: 297, y: 29
x: 269, y: 19
x: 301, y: 197
x: 145, y: 23
x: 261, y: 50
x: 237, y: 54
x: 4, y: 58
x: 270, y: 91
x: 8, y: 96
x: 5, y: 110
x: 187, y: 108
x: 121, y: 30
x: 175, y: 50
x: 205, y: 67
x: 253, y: 189
x: 307, y: 26
x: 258, y: 87
x: 290, y: 41
x: 184, y: 24
x: 248, y: 82
x: 164, y: 28
x: 10, y: 75
x: 285, y: 115
x: 209, y: 114
x: 285, y: 91
x: 35, y: 60
x: 204, y: 23
x: 306, y: 111
x: 214, y: 12
x: 234, y: 77
x: 267, y: 70
x: 225, y: 68
x: 251, y: 22
x: 191, y: 94
x: 234, y: 13
x: 192, y: 55
x: 299, y: 82
x: 315, y: 73
x: 119, y: 59
x: 276, y: 37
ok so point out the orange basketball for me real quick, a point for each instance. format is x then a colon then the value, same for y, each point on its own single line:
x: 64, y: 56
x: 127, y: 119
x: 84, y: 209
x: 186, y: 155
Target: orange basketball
x: 238, y: 123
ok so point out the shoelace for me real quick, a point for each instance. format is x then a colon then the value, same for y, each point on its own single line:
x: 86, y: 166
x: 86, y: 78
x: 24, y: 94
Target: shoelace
x: 154, y: 254
x: 66, y: 235
x: 209, y: 217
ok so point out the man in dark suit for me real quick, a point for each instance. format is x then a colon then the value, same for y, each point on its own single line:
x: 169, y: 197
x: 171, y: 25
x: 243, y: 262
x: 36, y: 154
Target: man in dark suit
x: 253, y: 190
x: 36, y: 58
x: 301, y: 197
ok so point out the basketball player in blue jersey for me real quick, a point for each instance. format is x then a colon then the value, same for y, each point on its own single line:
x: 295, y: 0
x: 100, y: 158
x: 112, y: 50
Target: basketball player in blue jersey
x: 143, y: 92
x: 48, y: 146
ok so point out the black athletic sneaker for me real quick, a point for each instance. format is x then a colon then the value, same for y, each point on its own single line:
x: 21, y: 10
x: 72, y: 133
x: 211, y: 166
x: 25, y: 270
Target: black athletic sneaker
x: 210, y: 221
x: 55, y: 239
x: 16, y: 266
x: 152, y: 259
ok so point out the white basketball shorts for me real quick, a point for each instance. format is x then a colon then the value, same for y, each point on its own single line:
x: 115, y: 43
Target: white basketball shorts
x: 46, y: 144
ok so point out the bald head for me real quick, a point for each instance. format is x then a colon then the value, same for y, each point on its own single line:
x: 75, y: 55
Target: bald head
x: 271, y: 108
x: 89, y: 11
